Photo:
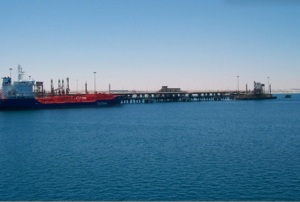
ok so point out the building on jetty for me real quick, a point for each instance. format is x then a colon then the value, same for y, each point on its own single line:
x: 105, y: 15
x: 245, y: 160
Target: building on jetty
x: 166, y: 89
x: 258, y: 93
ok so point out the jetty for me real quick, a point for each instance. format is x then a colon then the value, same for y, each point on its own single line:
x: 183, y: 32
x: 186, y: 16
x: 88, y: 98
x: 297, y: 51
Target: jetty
x: 166, y: 94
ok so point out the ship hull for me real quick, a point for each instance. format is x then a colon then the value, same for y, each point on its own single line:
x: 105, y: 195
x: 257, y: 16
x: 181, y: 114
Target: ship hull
x: 32, y: 103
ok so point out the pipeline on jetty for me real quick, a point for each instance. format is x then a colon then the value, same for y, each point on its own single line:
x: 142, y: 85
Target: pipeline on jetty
x: 152, y: 97
x: 166, y: 94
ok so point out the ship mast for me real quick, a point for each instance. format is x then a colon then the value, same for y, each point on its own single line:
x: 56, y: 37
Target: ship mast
x: 20, y: 73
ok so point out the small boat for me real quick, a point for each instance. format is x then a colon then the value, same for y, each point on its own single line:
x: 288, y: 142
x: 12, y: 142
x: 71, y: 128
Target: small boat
x: 288, y: 96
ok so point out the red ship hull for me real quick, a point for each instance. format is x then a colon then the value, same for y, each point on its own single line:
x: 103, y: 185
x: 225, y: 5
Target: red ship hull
x: 64, y: 101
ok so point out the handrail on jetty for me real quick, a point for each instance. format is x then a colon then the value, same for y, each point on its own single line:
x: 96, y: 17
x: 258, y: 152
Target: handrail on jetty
x: 182, y: 96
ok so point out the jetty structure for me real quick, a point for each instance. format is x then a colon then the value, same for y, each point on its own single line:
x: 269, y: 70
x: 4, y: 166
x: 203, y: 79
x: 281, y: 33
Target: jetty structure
x: 258, y: 93
x: 166, y: 94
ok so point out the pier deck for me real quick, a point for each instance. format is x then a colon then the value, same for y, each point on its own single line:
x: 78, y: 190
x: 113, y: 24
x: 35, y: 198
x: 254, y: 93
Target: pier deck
x: 183, y: 96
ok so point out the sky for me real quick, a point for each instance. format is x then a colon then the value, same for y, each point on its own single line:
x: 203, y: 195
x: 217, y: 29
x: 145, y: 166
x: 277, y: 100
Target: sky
x: 145, y: 44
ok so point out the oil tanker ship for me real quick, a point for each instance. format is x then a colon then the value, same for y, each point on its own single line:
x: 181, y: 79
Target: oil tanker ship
x: 20, y: 95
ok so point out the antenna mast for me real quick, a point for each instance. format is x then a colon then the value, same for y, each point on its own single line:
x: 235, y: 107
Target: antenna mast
x: 20, y: 73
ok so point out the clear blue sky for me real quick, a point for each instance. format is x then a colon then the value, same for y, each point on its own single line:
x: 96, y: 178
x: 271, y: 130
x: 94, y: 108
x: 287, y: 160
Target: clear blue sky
x: 144, y: 44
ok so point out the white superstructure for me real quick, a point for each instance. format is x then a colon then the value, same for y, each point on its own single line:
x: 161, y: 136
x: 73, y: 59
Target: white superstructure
x: 19, y: 89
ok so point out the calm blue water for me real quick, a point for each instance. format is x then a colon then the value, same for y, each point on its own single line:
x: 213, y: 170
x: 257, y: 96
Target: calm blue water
x: 227, y: 150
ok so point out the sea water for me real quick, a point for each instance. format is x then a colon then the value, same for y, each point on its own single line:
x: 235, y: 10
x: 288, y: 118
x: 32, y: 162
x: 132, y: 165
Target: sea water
x: 208, y: 150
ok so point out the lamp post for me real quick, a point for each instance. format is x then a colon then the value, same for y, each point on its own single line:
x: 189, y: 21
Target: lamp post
x: 10, y: 72
x: 238, y: 83
x: 268, y: 85
x: 95, y: 82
